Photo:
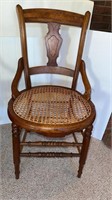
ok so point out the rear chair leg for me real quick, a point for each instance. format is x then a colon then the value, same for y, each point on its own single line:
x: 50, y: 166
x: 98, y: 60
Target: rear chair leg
x: 16, y: 149
x: 84, y: 150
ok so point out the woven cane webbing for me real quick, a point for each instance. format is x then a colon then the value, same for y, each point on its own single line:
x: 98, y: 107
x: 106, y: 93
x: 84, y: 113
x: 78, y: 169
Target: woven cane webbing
x: 51, y: 105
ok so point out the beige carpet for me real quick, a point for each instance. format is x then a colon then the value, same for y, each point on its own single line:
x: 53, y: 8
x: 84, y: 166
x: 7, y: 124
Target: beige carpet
x: 55, y: 179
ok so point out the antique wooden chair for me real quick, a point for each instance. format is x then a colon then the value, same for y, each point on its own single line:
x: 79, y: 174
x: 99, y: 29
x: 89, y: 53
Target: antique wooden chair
x: 51, y: 110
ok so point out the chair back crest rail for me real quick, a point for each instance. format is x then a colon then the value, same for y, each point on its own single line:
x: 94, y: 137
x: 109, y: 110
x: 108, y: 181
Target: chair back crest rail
x: 53, y: 40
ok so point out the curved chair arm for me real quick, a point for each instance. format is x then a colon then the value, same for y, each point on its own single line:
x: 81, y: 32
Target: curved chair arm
x: 87, y: 94
x: 14, y: 86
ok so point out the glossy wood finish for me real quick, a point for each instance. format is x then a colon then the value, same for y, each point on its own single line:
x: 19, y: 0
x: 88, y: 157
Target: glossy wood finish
x: 53, y: 130
x: 52, y: 15
x: 53, y: 41
x: 16, y: 148
x: 84, y: 150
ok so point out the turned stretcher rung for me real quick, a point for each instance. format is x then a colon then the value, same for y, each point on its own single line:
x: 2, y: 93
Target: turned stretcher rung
x: 49, y: 154
x: 51, y: 144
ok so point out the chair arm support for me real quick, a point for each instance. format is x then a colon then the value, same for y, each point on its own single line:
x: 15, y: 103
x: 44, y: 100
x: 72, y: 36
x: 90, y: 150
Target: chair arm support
x: 87, y: 94
x: 15, y: 82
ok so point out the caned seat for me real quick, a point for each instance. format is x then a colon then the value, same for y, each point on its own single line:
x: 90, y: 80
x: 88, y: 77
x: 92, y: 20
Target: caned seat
x: 51, y: 110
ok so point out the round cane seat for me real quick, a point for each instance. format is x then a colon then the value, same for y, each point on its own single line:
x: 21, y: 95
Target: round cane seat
x: 51, y: 110
x: 52, y: 105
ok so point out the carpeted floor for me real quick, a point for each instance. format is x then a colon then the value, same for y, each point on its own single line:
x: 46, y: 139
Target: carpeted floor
x: 55, y: 179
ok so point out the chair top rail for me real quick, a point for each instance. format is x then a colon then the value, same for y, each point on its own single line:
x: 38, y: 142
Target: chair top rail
x: 45, y: 15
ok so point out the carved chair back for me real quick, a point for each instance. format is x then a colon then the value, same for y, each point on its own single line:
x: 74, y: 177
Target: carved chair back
x: 53, y: 40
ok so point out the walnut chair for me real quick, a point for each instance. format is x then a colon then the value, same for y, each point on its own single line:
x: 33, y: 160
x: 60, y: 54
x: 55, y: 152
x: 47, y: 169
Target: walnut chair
x: 53, y: 111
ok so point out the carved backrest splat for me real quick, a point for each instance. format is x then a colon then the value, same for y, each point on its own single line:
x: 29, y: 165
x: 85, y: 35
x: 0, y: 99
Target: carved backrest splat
x: 53, y: 43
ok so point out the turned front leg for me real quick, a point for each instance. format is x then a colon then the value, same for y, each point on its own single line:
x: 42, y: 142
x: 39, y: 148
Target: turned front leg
x: 16, y: 149
x: 84, y: 150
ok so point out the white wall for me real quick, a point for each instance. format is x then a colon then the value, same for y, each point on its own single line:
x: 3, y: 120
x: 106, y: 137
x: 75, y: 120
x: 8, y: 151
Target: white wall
x: 97, y: 56
x: 8, y: 17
